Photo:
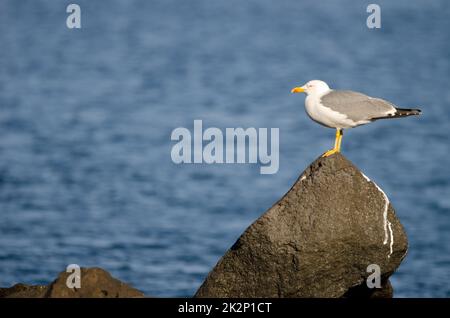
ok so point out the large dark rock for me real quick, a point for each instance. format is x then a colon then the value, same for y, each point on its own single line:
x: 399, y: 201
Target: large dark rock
x: 317, y: 241
x: 95, y: 283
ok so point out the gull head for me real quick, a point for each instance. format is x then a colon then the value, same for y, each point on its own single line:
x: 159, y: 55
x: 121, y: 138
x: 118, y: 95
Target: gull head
x: 314, y: 87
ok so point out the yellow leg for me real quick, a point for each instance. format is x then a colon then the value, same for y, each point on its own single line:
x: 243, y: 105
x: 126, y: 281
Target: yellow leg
x: 341, y: 133
x: 337, y: 144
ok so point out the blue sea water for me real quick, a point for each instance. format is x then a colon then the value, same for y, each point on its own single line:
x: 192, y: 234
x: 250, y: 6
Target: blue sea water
x: 86, y: 115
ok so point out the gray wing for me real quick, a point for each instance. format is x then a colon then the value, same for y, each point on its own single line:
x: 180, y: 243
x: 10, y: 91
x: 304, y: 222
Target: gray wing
x: 357, y: 106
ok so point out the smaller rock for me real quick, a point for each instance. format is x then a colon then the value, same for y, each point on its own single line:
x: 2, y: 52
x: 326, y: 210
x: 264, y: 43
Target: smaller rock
x: 23, y: 291
x: 95, y: 283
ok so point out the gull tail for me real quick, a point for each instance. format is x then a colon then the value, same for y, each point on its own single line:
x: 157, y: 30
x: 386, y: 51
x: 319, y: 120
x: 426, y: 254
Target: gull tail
x: 403, y: 112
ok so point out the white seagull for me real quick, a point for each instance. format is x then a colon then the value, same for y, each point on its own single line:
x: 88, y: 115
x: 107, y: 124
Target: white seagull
x: 345, y: 109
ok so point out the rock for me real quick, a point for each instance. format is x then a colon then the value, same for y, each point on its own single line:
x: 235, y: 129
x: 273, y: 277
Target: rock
x: 316, y: 241
x: 361, y: 291
x: 95, y: 283
x: 23, y: 291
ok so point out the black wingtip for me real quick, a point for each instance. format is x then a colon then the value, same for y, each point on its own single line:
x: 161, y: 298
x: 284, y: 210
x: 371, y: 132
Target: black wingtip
x: 407, y: 112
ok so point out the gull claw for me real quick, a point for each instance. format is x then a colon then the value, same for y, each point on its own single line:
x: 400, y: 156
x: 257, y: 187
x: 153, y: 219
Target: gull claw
x: 329, y: 153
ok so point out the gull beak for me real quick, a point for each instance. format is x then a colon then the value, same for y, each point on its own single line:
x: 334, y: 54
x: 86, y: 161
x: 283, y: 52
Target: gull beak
x: 298, y: 90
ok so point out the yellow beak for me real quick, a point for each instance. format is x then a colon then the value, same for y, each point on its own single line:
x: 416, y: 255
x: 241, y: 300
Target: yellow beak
x: 298, y: 90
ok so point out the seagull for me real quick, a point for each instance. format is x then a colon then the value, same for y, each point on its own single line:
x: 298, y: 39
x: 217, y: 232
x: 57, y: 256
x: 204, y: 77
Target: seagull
x: 342, y: 109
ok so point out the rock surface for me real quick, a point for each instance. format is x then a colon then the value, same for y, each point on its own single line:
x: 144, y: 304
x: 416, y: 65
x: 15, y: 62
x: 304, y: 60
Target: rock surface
x: 23, y: 291
x: 316, y: 241
x: 95, y: 283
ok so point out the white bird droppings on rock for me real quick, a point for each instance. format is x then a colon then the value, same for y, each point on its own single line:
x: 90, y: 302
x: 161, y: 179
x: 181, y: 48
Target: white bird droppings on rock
x: 388, y: 236
x: 391, y: 245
